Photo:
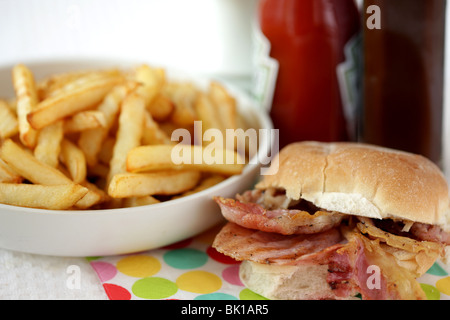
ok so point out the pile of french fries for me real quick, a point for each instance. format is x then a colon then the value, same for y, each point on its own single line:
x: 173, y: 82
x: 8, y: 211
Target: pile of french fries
x: 101, y: 139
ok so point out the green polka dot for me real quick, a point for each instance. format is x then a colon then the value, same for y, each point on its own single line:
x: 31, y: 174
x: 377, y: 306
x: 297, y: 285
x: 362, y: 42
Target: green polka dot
x: 185, y: 258
x: 93, y: 258
x: 154, y: 288
x: 437, y: 270
x: 431, y: 292
x: 248, y: 294
x: 216, y: 296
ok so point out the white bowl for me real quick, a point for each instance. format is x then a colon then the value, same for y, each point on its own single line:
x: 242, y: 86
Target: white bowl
x: 126, y: 230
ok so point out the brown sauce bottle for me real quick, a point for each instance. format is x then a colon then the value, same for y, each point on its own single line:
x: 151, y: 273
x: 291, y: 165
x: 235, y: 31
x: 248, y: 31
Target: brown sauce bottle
x: 403, y: 75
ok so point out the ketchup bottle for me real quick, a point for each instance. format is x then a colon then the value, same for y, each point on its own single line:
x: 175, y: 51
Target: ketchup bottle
x: 315, y: 43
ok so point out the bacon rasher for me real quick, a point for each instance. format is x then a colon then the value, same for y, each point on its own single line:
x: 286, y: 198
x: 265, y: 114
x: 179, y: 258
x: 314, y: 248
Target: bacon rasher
x: 283, y: 221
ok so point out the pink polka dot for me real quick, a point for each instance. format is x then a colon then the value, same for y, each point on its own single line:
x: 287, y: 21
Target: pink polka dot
x: 231, y: 275
x: 105, y: 271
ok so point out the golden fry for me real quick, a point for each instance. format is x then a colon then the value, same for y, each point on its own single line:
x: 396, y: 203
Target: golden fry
x: 151, y: 80
x: 207, y: 113
x: 58, y: 83
x: 7, y: 174
x: 85, y: 120
x: 27, y: 166
x: 129, y: 134
x: 127, y: 185
x: 90, y: 141
x: 8, y: 121
x: 183, y: 96
x: 184, y: 157
x: 55, y: 197
x: 161, y: 107
x: 74, y: 160
x: 152, y: 132
x: 93, y: 197
x: 225, y: 104
x: 69, y: 102
x: 139, y: 201
x: 49, y: 144
x: 27, y: 100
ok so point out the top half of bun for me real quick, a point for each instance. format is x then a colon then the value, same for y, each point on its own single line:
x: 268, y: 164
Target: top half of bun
x: 362, y: 180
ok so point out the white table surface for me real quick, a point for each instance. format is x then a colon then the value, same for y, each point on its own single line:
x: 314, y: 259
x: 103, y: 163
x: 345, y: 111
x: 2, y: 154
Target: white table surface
x: 26, y: 276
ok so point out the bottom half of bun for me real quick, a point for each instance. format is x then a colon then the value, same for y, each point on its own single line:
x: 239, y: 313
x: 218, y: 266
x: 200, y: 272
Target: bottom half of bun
x: 284, y: 282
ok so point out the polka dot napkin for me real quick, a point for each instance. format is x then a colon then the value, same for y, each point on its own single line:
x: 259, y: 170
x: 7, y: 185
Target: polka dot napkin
x: 193, y: 270
x: 187, y: 270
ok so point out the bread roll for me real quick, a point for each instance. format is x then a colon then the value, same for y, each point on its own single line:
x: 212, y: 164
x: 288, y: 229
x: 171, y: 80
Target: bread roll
x: 363, y: 180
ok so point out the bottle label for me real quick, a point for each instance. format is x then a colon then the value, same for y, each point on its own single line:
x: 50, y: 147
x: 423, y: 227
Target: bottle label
x: 265, y: 69
x: 348, y: 75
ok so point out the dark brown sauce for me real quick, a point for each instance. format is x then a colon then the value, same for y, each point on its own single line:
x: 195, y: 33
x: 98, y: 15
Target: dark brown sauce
x: 403, y: 77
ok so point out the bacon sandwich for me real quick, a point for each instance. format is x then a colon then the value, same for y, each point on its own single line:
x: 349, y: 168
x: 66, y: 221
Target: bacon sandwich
x: 339, y: 221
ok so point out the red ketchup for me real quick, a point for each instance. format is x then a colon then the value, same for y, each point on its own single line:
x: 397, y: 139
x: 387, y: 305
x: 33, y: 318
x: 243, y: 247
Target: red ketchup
x: 310, y: 39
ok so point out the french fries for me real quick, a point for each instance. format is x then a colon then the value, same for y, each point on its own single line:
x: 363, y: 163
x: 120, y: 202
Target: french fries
x: 74, y: 160
x: 183, y: 157
x: 9, y: 125
x: 7, y: 174
x: 101, y: 139
x: 129, y: 133
x: 90, y: 141
x: 55, y: 197
x: 70, y: 101
x: 85, y: 120
x: 161, y: 107
x: 27, y: 99
x: 49, y: 144
x: 127, y: 185
x: 183, y: 96
x: 54, y: 84
x: 139, y: 201
x: 153, y: 134
x: 26, y: 165
x: 226, y: 105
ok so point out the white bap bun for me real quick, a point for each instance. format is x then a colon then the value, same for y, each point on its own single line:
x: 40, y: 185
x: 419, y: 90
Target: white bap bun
x: 362, y: 180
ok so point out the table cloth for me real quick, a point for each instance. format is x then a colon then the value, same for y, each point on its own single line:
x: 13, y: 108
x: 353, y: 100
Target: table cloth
x: 187, y: 270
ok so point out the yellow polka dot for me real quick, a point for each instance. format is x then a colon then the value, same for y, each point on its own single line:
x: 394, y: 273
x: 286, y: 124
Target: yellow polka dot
x: 443, y: 285
x: 199, y: 282
x: 139, y: 266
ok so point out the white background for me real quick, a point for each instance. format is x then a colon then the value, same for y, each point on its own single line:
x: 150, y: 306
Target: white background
x: 206, y: 36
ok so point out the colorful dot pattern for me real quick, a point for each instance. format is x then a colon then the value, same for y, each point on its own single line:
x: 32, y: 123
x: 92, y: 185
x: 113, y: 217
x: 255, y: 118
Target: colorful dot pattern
x: 193, y: 270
